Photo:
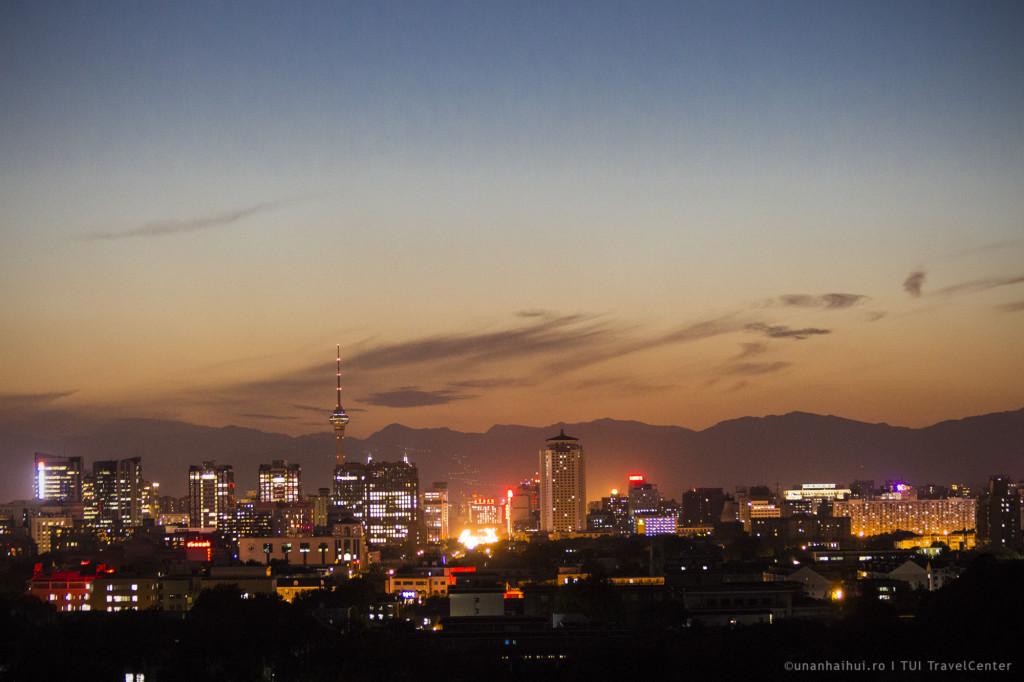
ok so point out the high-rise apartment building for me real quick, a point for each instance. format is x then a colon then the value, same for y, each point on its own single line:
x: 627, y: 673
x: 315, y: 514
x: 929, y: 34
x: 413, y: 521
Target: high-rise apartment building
x: 58, y: 479
x: 999, y: 515
x: 280, y: 482
x: 563, y: 486
x: 924, y: 517
x: 211, y: 492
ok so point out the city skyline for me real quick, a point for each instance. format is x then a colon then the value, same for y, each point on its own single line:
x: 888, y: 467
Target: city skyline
x: 529, y: 214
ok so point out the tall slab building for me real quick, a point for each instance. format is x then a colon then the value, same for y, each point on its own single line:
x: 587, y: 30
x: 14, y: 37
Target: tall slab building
x: 211, y: 493
x: 563, y: 486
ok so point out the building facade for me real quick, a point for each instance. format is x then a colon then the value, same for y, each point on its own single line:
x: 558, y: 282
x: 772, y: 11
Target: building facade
x: 999, y: 515
x: 280, y: 482
x: 58, y: 479
x: 116, y: 494
x: 211, y: 491
x: 435, y: 512
x: 391, y: 508
x: 924, y: 517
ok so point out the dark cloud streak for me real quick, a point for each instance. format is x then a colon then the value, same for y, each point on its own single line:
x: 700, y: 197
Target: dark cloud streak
x: 164, y: 228
x: 754, y: 368
x: 784, y: 332
x: 979, y: 285
x: 827, y: 301
x: 31, y: 401
x: 913, y: 283
x: 412, y: 396
x: 552, y: 335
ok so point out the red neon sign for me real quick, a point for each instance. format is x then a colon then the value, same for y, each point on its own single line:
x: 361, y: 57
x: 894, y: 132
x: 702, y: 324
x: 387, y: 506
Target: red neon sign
x: 636, y: 478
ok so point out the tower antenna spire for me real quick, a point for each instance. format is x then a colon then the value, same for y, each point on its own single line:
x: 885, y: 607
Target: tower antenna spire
x: 339, y: 376
x: 338, y: 420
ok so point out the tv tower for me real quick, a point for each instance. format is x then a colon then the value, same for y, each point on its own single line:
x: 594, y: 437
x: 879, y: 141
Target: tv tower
x: 339, y: 419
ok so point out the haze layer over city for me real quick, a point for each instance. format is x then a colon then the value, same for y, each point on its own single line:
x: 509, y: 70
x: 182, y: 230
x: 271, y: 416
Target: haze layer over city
x: 674, y: 213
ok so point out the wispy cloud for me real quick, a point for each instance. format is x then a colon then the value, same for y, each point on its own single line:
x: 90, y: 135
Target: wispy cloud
x: 754, y: 368
x: 549, y: 335
x: 412, y: 396
x: 826, y: 301
x: 978, y: 285
x: 784, y: 332
x: 913, y: 283
x: 500, y: 382
x: 751, y: 349
x: 1016, y: 307
x: 530, y: 350
x: 31, y: 401
x: 170, y: 227
x: 250, y: 415
x: 624, y: 341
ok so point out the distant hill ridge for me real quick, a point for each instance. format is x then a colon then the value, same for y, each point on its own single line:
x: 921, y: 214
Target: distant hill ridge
x: 777, y: 449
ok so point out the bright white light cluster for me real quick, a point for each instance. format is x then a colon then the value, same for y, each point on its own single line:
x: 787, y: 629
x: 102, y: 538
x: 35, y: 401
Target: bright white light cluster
x: 485, y: 536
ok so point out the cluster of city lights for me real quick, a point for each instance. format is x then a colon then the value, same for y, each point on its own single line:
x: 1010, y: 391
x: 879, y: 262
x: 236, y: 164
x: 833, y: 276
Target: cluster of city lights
x: 484, y: 536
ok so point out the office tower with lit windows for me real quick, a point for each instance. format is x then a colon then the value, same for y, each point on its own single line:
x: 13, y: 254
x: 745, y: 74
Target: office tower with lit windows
x: 58, y: 479
x: 384, y: 496
x: 644, y: 497
x: 211, y: 492
x: 999, y: 515
x: 116, y: 494
x: 391, y: 507
x: 563, y: 486
x: 280, y: 482
x: 435, y: 512
x: 349, y: 495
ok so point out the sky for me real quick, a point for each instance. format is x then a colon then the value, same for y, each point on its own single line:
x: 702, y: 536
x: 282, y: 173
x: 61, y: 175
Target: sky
x: 510, y: 213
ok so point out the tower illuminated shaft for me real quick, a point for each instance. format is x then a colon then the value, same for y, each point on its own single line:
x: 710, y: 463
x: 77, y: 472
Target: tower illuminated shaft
x: 339, y: 419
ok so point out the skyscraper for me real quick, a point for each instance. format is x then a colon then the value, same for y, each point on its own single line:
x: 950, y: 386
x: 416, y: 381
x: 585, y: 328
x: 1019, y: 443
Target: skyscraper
x: 58, y: 479
x: 391, y: 509
x: 435, y: 512
x: 339, y: 419
x: 211, y: 492
x: 384, y: 496
x: 563, y: 486
x: 117, y: 493
x: 280, y: 482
